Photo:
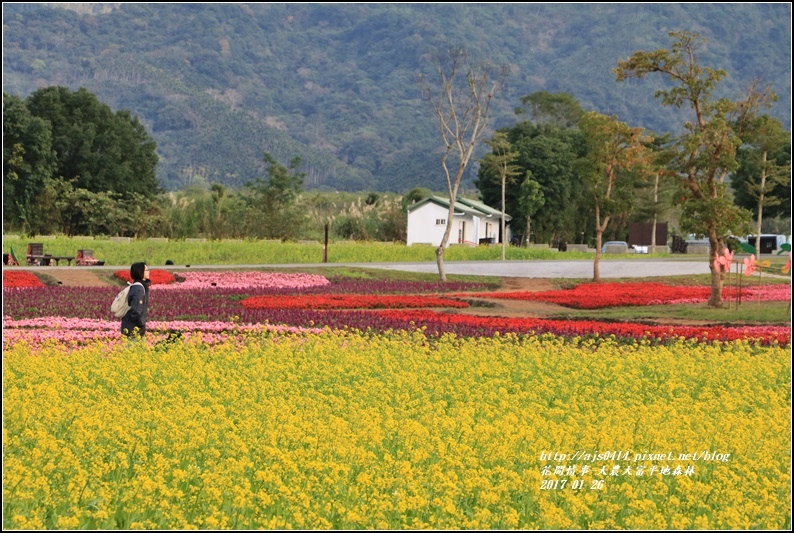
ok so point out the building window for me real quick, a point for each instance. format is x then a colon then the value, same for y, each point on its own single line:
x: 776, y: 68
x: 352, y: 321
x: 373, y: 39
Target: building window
x: 441, y: 221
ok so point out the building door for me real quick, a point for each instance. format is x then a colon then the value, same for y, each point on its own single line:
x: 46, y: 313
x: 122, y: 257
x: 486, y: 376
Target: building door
x: 462, y: 232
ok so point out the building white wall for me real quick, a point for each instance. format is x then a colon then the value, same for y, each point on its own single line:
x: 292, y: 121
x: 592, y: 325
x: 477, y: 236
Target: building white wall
x: 464, y: 229
x: 423, y: 229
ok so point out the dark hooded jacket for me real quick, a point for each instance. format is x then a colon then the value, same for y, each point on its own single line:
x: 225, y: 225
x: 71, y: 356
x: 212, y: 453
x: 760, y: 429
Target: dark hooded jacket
x: 138, y: 300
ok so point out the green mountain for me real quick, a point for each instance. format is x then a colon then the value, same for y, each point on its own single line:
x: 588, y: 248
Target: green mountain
x: 336, y: 84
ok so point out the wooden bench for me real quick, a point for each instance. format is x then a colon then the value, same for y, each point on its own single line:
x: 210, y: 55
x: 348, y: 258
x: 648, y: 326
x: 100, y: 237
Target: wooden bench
x: 46, y: 259
x: 86, y: 258
x: 36, y: 256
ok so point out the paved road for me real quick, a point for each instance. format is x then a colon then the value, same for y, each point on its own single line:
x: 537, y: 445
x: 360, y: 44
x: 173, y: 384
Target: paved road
x: 558, y: 269
x: 514, y: 269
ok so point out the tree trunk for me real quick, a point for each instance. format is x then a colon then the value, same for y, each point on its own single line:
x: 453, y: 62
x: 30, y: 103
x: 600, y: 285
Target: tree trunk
x: 599, y: 227
x: 655, y: 202
x: 504, y: 244
x: 760, y: 207
x: 596, y: 266
x: 442, y: 275
x: 717, y: 277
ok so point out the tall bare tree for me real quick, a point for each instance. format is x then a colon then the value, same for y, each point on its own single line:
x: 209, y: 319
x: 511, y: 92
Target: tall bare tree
x: 706, y: 153
x: 461, y: 101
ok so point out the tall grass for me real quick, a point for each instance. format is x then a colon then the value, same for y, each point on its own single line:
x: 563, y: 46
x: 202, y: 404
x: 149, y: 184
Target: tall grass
x: 225, y: 252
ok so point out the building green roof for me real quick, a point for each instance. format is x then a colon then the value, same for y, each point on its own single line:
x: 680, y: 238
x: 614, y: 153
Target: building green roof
x: 463, y: 205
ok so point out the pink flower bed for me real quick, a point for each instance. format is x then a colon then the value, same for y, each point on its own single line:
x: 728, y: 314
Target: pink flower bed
x: 769, y: 293
x: 76, y: 331
x: 246, y: 280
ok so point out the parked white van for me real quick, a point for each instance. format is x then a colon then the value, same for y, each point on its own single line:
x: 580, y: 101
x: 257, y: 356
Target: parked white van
x: 770, y: 243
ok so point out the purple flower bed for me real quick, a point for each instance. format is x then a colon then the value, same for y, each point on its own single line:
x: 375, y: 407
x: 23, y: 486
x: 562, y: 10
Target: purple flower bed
x: 208, y: 304
x: 220, y: 305
x: 224, y: 304
x: 352, y: 286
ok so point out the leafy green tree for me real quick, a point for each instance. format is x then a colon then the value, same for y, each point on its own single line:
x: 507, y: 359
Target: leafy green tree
x: 614, y: 150
x: 530, y: 199
x: 181, y: 217
x: 71, y: 210
x: 351, y: 227
x: 555, y: 109
x: 501, y: 163
x: 392, y: 224
x: 749, y: 170
x: 413, y: 196
x: 28, y: 160
x: 763, y: 177
x: 546, y: 154
x: 706, y: 153
x: 273, y: 212
x: 654, y: 196
x: 102, y: 150
x: 217, y: 213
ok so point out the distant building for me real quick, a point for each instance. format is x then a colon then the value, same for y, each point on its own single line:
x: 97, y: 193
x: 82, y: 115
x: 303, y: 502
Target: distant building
x: 473, y: 222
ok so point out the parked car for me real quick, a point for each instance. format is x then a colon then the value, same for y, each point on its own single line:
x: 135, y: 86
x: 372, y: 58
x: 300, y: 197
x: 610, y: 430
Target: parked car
x: 616, y: 243
x: 697, y: 240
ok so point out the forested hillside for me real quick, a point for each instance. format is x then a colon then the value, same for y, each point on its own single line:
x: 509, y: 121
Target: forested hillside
x: 217, y: 85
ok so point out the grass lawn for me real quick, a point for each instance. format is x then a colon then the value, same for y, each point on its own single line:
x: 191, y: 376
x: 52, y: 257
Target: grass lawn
x: 749, y: 312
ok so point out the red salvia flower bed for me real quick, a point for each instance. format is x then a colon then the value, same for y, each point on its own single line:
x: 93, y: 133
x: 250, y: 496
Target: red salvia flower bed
x: 580, y: 328
x: 600, y: 295
x: 348, y: 301
x: 157, y: 277
x: 20, y: 278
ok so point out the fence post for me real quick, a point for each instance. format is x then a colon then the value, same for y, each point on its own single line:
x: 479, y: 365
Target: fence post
x: 325, y: 246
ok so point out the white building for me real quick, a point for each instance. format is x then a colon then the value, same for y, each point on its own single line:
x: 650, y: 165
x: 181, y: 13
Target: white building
x: 473, y: 222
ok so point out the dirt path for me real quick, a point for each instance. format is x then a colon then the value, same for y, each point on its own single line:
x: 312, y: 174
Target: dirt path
x: 525, y: 285
x: 515, y: 308
x: 76, y: 278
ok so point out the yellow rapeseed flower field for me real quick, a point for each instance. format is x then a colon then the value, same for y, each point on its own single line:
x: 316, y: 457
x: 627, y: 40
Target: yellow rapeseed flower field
x: 397, y: 431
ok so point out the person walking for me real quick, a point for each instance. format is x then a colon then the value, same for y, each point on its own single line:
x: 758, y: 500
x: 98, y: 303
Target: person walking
x: 133, y: 323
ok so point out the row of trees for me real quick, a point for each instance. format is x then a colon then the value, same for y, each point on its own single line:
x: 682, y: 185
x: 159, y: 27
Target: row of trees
x: 567, y: 164
x: 219, y: 212
x: 69, y: 159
